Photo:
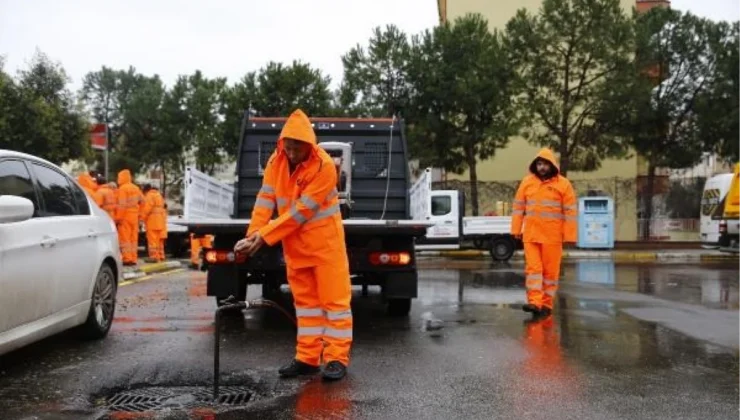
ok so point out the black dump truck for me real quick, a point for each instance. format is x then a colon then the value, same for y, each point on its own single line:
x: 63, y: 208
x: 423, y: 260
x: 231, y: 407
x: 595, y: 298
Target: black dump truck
x: 372, y: 162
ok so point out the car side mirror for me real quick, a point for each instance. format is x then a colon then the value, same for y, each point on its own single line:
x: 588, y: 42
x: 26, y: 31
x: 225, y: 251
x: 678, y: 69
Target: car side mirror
x: 15, y: 209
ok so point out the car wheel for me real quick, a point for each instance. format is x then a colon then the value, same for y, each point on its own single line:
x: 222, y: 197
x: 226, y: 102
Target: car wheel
x: 502, y: 249
x: 102, y: 306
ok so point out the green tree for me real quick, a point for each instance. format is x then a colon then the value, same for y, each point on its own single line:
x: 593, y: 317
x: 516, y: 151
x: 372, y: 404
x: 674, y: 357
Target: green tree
x: 39, y: 114
x: 717, y: 106
x: 376, y: 80
x: 677, y: 58
x: 280, y: 89
x: 461, y: 93
x: 573, y: 59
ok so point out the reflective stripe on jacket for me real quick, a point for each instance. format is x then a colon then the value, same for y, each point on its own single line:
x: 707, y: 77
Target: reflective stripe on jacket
x: 545, y: 208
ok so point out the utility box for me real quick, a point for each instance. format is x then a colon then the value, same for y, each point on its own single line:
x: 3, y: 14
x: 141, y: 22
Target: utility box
x: 596, y: 222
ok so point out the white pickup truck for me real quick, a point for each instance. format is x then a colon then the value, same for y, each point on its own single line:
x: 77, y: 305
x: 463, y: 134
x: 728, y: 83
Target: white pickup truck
x: 452, y: 230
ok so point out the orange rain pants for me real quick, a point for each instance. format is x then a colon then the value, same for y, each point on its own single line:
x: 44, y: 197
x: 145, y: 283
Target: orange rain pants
x: 130, y: 200
x: 196, y: 244
x: 309, y: 225
x: 155, y: 219
x: 545, y: 208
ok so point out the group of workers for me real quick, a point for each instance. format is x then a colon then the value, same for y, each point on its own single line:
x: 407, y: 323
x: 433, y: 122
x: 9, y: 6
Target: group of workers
x: 129, y: 206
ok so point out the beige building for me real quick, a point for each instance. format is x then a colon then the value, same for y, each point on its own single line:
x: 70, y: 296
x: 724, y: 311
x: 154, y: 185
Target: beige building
x: 618, y: 178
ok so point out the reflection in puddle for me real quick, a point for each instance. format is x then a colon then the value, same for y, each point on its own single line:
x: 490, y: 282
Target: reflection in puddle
x: 485, y: 287
x: 714, y: 287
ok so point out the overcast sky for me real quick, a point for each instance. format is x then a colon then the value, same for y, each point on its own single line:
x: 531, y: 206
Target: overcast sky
x: 220, y: 37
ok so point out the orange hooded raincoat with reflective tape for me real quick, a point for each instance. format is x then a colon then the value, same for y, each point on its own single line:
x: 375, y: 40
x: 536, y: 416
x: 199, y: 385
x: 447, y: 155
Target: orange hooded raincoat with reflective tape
x: 130, y: 200
x: 545, y: 208
x: 309, y: 224
x: 105, y: 198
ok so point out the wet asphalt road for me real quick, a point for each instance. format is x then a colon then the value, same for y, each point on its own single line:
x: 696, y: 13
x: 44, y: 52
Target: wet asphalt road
x: 626, y: 342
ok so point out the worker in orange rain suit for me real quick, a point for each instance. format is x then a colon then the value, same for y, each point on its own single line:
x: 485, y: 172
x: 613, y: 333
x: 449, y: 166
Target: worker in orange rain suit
x: 105, y: 197
x: 130, y: 199
x: 154, y: 217
x: 196, y: 244
x: 546, y: 205
x: 88, y: 183
x: 300, y: 182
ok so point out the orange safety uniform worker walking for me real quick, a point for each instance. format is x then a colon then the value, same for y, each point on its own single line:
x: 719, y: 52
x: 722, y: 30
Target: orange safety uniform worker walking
x: 155, y: 219
x: 130, y: 199
x: 88, y: 183
x: 545, y: 205
x: 105, y: 198
x: 300, y: 183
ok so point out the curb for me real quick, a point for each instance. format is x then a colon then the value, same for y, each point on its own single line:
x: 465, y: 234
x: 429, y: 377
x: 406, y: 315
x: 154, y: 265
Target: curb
x: 619, y: 256
x: 148, y: 269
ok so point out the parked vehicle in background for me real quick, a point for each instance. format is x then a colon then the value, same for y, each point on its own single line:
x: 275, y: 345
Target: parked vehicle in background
x: 729, y: 224
x: 59, y: 255
x: 452, y: 229
x: 712, y: 207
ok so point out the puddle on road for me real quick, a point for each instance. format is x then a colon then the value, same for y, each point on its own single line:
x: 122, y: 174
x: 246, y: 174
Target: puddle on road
x: 712, y: 286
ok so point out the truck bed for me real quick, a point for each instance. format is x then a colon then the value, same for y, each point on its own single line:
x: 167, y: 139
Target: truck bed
x: 351, y: 226
x: 486, y: 225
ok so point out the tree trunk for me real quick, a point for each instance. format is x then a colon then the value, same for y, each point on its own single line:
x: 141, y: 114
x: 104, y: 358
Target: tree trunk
x: 164, y: 181
x: 646, y: 231
x: 564, y: 158
x: 470, y: 158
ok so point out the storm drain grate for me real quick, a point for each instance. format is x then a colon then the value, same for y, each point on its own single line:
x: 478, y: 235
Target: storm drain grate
x: 153, y: 399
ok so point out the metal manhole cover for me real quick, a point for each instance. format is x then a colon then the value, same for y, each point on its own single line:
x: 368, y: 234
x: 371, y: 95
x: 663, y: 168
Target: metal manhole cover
x: 153, y: 399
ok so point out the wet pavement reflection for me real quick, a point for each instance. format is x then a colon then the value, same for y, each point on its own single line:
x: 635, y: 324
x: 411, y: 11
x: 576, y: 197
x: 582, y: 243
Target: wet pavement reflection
x: 625, y: 341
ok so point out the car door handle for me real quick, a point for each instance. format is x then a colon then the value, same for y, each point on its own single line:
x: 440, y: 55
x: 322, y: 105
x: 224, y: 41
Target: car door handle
x: 48, y: 242
x: 448, y: 222
x: 92, y: 234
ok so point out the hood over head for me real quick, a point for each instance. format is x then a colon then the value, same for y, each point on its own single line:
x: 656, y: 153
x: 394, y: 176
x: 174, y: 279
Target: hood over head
x: 124, y: 177
x: 548, y: 155
x: 298, y: 127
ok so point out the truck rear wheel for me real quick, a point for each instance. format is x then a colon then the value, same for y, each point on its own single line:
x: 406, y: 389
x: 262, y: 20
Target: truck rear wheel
x: 399, y: 307
x: 502, y: 249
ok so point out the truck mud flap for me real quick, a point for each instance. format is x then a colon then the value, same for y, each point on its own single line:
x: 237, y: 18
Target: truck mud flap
x: 400, y: 285
x: 223, y: 281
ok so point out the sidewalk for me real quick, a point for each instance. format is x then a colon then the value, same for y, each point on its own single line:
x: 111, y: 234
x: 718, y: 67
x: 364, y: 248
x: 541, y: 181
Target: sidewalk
x: 141, y: 270
x: 686, y: 255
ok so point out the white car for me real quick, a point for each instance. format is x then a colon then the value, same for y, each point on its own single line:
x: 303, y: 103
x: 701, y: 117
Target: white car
x: 59, y: 255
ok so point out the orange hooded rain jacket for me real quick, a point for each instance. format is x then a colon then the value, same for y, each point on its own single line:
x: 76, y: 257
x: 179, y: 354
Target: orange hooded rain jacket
x: 309, y: 224
x: 88, y: 183
x: 130, y: 200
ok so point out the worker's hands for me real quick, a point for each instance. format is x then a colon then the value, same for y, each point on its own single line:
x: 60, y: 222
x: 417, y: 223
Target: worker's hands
x: 249, y: 245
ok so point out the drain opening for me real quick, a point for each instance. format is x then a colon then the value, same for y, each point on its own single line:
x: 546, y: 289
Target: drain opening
x: 160, y: 398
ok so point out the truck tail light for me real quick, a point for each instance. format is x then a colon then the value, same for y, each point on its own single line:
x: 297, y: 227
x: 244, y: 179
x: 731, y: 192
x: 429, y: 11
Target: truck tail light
x: 390, y: 258
x: 218, y: 256
x: 723, y: 226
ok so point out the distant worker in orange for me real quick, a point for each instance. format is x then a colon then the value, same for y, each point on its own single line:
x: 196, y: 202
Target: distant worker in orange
x: 545, y: 204
x: 105, y: 197
x: 300, y: 183
x: 130, y: 199
x: 197, y: 243
x: 155, y: 220
x: 88, y: 183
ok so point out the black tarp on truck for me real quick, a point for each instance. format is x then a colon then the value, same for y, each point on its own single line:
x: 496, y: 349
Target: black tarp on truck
x: 378, y: 230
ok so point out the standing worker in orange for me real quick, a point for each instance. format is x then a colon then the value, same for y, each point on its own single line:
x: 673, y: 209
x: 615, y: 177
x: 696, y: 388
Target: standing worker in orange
x: 105, y: 197
x: 154, y: 217
x: 130, y: 199
x: 300, y: 183
x: 196, y: 244
x: 546, y: 204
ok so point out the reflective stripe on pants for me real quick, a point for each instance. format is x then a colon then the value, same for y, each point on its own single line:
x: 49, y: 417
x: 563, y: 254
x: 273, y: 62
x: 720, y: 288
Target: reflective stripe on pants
x: 128, y: 238
x: 322, y: 298
x: 542, y: 271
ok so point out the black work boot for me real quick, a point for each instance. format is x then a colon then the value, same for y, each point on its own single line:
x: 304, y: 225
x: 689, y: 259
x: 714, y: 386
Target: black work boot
x: 544, y: 312
x: 334, y: 371
x: 530, y: 308
x: 297, y: 368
